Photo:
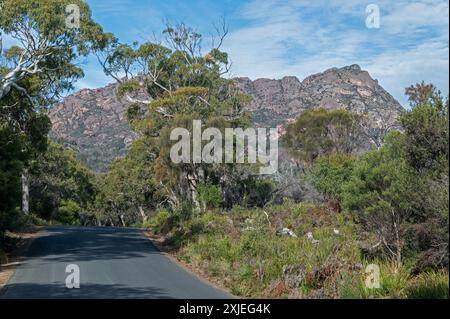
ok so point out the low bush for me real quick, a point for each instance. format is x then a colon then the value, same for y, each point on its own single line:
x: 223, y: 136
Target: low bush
x: 210, y: 195
x: 245, y: 250
x: 68, y: 213
x: 162, y: 222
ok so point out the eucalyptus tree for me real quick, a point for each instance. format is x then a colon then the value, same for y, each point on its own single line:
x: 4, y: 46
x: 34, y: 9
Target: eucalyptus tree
x: 169, y: 84
x: 46, y: 39
x: 48, y: 36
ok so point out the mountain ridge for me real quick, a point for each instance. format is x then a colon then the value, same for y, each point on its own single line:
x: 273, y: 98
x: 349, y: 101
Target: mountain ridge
x: 93, y: 121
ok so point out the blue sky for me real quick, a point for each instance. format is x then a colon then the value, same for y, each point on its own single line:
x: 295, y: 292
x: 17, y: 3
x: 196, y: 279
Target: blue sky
x: 275, y: 38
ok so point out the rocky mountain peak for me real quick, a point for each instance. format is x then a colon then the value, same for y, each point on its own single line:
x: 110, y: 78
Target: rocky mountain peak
x: 93, y: 121
x: 349, y: 87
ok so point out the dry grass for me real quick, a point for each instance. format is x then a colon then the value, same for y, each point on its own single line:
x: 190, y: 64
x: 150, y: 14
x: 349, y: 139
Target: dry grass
x: 243, y: 251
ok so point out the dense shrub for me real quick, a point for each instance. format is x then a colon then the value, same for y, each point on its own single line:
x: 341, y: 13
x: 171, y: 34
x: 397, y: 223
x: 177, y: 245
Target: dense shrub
x: 68, y: 213
x: 330, y: 173
x: 260, y: 192
x: 60, y: 185
x: 210, y: 195
x: 162, y: 222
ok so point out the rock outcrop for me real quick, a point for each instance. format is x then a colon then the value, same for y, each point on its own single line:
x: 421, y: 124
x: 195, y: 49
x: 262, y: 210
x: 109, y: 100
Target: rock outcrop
x: 94, y: 124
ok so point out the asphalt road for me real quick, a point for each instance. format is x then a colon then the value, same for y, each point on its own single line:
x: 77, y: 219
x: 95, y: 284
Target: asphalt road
x: 113, y: 263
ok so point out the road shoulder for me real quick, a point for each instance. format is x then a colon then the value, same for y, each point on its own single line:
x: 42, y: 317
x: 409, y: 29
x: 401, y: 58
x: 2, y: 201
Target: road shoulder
x: 158, y: 242
x: 17, y: 255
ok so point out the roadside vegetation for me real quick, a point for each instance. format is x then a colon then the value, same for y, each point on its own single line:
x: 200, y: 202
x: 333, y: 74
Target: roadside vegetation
x: 368, y: 202
x: 246, y: 251
x: 386, y: 207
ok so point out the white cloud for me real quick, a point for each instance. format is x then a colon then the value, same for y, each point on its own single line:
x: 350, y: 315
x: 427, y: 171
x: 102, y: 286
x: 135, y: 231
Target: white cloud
x: 300, y: 38
x: 275, y: 38
x: 427, y: 62
x: 408, y: 17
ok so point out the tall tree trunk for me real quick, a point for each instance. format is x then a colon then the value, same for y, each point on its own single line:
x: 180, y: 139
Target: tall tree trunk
x: 192, y: 181
x: 25, y: 192
x: 122, y: 220
x: 398, y: 243
x: 141, y: 211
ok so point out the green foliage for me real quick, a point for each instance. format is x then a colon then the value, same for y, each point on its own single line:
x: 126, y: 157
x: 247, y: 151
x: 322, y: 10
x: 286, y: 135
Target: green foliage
x: 429, y: 285
x: 330, y: 173
x: 32, y: 74
x: 394, y: 280
x: 426, y: 135
x: 57, y: 177
x: 126, y: 87
x: 380, y: 176
x: 47, y: 46
x: 11, y: 165
x: 242, y: 250
x: 400, y: 192
x: 21, y: 137
x: 162, y: 222
x: 259, y: 192
x: 320, y: 132
x: 129, y: 188
x: 68, y: 213
x: 210, y: 195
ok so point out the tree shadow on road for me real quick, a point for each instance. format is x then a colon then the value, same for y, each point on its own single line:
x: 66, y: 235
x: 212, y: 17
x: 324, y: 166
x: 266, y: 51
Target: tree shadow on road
x: 69, y: 244
x: 86, y: 291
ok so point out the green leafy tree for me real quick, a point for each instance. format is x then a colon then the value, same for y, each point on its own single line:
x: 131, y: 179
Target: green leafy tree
x: 46, y: 46
x: 182, y: 85
x: 426, y: 129
x: 400, y: 192
x: 11, y: 165
x: 330, y: 173
x: 58, y: 179
x: 128, y: 193
x: 316, y: 133
x: 38, y: 67
x: 27, y: 130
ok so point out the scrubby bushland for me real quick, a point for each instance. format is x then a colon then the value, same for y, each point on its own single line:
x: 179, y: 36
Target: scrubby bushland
x: 392, y: 211
x: 399, y: 193
x: 245, y: 250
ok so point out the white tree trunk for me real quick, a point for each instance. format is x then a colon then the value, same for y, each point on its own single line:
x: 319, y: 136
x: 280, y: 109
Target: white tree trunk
x: 194, y: 194
x: 25, y: 192
x: 141, y: 211
x: 122, y: 221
